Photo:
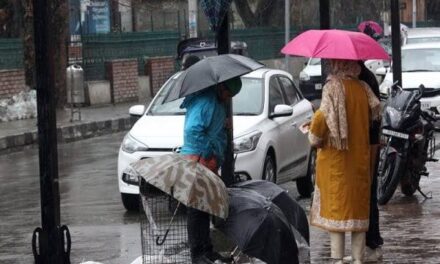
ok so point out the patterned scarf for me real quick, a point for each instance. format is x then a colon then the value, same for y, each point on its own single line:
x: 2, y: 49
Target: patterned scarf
x: 333, y: 101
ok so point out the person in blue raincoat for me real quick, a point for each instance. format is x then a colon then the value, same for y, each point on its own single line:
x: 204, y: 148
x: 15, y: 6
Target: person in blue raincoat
x: 205, y: 140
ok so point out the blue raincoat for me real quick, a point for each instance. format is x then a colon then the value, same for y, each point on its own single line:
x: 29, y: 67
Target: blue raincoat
x: 204, y: 130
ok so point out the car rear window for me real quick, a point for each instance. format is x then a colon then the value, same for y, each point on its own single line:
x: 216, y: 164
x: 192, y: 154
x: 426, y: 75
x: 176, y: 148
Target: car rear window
x: 414, y: 60
x: 422, y: 40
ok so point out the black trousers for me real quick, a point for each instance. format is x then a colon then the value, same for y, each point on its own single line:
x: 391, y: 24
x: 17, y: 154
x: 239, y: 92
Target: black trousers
x: 198, y: 232
x: 373, y: 238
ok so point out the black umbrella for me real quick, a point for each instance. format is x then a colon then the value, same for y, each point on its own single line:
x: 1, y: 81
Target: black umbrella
x: 294, y: 213
x: 211, y: 71
x: 259, y: 228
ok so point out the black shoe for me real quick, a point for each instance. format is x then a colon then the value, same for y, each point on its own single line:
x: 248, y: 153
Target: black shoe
x: 202, y: 260
x: 213, y: 256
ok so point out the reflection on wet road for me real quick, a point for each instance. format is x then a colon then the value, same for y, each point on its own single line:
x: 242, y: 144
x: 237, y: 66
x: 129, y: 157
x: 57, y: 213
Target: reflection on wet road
x: 410, y: 226
x: 103, y: 231
x: 100, y: 227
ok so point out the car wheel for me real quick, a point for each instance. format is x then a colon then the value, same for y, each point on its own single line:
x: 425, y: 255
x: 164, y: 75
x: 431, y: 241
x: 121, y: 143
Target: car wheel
x: 269, y: 169
x: 130, y: 201
x: 305, y: 185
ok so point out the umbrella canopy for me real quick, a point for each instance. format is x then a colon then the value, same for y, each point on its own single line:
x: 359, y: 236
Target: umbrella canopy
x: 259, y: 228
x: 187, y: 181
x: 335, y: 44
x: 372, y: 24
x: 211, y: 71
x: 215, y: 11
x: 294, y: 213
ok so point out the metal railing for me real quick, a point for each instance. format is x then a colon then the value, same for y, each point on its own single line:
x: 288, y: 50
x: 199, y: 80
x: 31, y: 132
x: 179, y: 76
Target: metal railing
x: 11, y: 53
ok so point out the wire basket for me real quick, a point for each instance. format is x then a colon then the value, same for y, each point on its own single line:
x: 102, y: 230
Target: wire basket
x: 164, y: 234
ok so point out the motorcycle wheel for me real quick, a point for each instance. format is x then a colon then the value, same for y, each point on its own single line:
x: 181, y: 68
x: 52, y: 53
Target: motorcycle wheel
x: 409, y: 186
x: 388, y: 177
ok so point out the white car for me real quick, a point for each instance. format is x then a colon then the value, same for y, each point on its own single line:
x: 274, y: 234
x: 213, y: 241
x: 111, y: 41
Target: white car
x: 420, y: 65
x: 422, y: 35
x: 310, y: 81
x: 267, y: 142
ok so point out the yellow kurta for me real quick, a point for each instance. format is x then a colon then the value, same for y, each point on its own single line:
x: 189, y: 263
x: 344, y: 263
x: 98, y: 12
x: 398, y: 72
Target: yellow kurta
x: 342, y: 191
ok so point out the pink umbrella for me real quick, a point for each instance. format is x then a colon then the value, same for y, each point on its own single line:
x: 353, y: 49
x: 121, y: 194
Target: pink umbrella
x: 374, y: 26
x: 335, y: 44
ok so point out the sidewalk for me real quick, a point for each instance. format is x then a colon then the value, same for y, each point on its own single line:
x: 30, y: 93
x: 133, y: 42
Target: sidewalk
x: 95, y: 121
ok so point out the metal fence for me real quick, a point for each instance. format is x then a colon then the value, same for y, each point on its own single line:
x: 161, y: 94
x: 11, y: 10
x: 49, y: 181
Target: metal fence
x: 99, y: 48
x: 11, y: 53
x: 263, y: 43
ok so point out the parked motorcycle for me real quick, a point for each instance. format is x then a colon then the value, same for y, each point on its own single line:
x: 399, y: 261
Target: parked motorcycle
x: 408, y: 143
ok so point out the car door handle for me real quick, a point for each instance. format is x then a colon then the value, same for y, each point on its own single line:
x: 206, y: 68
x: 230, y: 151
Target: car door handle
x: 294, y: 124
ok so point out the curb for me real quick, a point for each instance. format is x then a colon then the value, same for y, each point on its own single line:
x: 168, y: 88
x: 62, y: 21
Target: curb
x: 68, y: 133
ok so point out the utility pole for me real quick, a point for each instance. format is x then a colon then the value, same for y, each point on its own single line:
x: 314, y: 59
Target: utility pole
x: 324, y: 22
x: 287, y: 31
x: 396, y: 42
x: 192, y: 18
x: 48, y: 241
x: 227, y: 170
x: 414, y: 13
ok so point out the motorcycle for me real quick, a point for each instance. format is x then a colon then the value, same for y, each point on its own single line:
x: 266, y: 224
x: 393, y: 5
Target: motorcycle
x: 408, y: 142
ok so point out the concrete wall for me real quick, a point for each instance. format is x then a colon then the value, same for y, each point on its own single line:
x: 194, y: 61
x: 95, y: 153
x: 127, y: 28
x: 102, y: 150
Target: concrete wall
x: 144, y: 89
x: 11, y: 82
x: 98, y: 92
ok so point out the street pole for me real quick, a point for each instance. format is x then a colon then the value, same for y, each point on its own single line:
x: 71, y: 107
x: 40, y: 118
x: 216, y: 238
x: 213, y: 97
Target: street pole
x: 192, y: 18
x: 414, y: 13
x: 227, y: 170
x: 47, y: 242
x: 287, y: 31
x: 396, y: 42
x: 324, y: 14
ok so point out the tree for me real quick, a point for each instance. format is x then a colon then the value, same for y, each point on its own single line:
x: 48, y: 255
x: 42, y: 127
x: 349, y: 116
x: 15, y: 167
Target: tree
x: 304, y: 13
x: 433, y: 8
x: 257, y: 13
x: 16, y: 21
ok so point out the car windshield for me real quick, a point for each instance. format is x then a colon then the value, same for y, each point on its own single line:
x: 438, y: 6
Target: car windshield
x: 422, y: 40
x: 315, y: 61
x: 249, y: 101
x: 414, y: 60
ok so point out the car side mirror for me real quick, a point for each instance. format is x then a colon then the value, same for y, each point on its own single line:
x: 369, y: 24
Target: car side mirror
x: 137, y: 110
x: 382, y: 71
x: 282, y: 110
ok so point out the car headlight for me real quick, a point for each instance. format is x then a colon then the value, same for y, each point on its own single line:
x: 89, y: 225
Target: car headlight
x: 385, y: 87
x: 131, y: 145
x: 130, y: 176
x: 247, y: 142
x: 304, y: 76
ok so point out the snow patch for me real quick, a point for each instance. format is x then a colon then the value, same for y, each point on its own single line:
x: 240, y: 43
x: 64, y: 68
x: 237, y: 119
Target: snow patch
x: 21, y: 106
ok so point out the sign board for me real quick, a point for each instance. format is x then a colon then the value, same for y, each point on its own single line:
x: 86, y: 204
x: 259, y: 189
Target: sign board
x: 98, y: 16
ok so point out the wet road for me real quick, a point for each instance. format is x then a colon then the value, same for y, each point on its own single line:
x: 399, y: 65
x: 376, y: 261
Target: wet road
x: 102, y: 231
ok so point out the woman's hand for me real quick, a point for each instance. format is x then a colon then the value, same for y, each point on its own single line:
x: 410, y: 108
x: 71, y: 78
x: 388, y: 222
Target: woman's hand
x: 305, y: 127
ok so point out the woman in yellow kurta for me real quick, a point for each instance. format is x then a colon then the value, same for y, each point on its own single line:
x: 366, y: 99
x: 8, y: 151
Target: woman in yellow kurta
x: 340, y: 130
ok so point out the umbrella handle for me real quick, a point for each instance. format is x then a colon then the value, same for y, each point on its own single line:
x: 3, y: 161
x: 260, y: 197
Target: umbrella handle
x: 160, y: 242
